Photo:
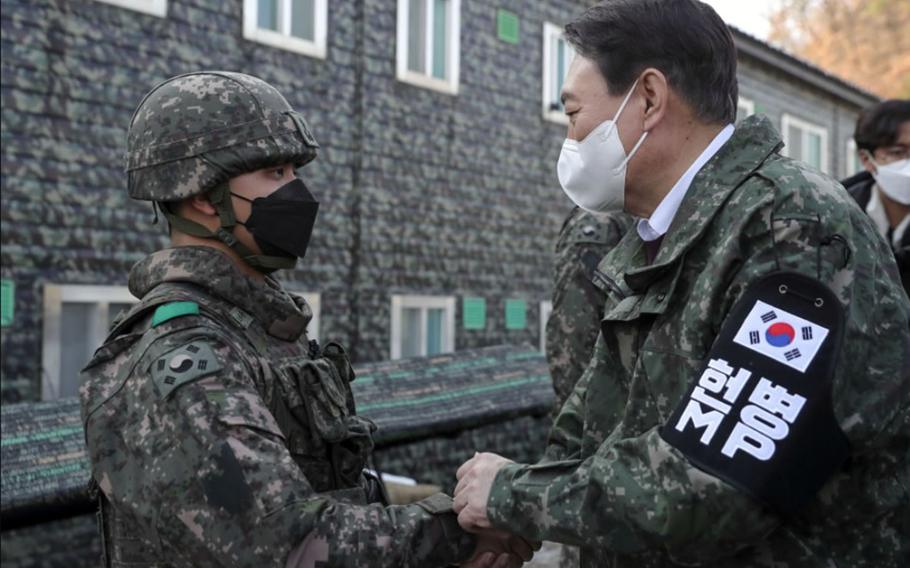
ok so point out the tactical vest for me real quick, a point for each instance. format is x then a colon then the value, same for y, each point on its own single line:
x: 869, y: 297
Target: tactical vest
x: 305, y: 388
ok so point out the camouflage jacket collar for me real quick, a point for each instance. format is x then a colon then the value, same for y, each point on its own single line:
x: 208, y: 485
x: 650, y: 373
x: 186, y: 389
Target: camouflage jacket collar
x: 283, y: 316
x: 752, y: 142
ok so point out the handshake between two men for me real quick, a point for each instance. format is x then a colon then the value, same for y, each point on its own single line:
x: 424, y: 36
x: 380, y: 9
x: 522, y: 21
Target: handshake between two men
x: 495, y: 548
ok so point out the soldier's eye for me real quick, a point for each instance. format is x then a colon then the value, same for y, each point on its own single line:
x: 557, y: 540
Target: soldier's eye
x: 278, y: 173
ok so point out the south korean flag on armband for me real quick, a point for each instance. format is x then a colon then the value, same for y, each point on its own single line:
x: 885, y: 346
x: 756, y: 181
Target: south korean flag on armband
x: 782, y: 336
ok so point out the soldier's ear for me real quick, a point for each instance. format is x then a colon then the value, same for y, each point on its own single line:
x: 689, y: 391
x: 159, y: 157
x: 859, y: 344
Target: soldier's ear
x: 202, y: 204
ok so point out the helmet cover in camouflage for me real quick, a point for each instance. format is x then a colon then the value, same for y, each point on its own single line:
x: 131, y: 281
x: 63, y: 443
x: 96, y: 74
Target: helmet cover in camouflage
x: 196, y: 131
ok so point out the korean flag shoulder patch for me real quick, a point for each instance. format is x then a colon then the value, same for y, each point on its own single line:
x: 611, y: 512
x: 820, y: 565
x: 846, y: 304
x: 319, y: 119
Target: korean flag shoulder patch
x: 183, y: 365
x: 759, y: 414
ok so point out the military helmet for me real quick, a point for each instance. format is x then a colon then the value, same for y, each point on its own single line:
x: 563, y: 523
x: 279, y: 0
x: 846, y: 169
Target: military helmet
x: 198, y: 130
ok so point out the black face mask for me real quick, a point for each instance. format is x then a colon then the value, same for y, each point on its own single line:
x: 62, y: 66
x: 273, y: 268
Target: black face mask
x: 282, y: 222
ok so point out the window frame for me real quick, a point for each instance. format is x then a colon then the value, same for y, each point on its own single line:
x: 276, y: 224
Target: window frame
x: 550, y: 31
x: 152, y: 7
x: 788, y: 120
x: 449, y: 85
x: 314, y: 299
x: 546, y: 309
x: 746, y: 103
x: 283, y: 39
x: 424, y: 303
x: 851, y: 157
x: 55, y: 295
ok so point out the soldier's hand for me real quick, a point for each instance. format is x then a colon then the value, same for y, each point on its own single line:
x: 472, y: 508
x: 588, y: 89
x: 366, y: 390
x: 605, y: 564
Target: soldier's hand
x: 475, y: 478
x: 498, y: 549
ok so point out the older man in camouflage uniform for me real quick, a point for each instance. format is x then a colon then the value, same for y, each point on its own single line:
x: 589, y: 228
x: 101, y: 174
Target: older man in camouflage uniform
x: 585, y: 238
x: 218, y: 434
x: 748, y: 402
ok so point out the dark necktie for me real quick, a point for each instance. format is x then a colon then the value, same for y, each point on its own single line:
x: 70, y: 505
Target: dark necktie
x: 652, y: 248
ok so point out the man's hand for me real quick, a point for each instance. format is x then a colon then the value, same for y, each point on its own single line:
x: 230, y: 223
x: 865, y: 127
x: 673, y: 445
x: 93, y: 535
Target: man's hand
x: 497, y: 549
x: 475, y: 478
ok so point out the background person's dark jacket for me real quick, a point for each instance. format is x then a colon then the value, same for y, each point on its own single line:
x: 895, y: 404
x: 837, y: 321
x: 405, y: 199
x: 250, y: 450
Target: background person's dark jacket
x: 860, y: 187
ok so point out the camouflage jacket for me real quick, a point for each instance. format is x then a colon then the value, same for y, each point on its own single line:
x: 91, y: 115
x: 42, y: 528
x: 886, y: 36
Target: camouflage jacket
x: 610, y: 484
x: 219, y: 436
x: 577, y: 304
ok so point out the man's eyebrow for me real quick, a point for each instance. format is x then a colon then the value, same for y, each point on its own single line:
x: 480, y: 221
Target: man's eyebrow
x: 565, y: 96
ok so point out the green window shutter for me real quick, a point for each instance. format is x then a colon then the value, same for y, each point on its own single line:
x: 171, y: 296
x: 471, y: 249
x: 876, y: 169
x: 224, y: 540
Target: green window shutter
x: 474, y: 313
x: 507, y: 26
x: 7, y: 302
x: 516, y: 314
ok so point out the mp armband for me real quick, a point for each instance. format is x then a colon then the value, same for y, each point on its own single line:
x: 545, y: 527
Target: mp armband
x: 759, y: 416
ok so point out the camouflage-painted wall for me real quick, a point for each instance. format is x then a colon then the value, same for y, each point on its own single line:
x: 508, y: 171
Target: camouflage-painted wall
x: 459, y: 193
x: 422, y: 192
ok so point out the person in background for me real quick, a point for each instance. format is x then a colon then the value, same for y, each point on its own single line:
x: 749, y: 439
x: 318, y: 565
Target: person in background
x: 585, y: 238
x: 574, y: 323
x: 882, y: 189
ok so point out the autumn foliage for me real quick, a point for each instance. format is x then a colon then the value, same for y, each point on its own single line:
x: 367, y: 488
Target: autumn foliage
x: 866, y: 42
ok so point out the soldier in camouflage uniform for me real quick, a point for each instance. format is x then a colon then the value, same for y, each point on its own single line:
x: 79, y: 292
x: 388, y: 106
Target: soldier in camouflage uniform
x: 578, y: 304
x: 574, y: 323
x: 218, y: 433
x: 615, y: 478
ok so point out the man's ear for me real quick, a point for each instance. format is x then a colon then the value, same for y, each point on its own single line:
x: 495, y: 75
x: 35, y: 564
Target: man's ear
x: 201, y: 204
x: 654, y: 86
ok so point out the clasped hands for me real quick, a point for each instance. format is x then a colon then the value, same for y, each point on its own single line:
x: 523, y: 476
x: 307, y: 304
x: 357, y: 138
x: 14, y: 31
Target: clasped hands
x: 495, y: 548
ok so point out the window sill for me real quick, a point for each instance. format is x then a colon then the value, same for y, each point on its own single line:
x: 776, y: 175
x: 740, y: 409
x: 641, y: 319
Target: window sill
x: 287, y: 43
x: 432, y: 83
x: 556, y: 116
x: 155, y: 7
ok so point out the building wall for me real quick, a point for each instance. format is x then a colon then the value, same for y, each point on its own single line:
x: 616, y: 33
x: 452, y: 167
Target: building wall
x: 776, y: 93
x: 459, y: 193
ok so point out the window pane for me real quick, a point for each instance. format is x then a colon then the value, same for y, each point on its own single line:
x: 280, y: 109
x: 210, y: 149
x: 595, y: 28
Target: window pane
x: 815, y: 150
x: 410, y: 332
x: 75, y: 350
x: 439, y: 38
x: 795, y: 143
x: 268, y: 14
x: 417, y: 37
x: 114, y: 310
x: 855, y: 165
x: 434, y: 331
x: 303, y: 19
x: 560, y: 72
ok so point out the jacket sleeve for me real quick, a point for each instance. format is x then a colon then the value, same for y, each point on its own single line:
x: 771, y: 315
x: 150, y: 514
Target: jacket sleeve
x: 635, y: 493
x: 228, y: 492
x: 565, y: 439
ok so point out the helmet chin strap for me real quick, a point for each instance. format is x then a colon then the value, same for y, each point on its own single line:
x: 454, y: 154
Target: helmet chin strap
x: 220, y: 199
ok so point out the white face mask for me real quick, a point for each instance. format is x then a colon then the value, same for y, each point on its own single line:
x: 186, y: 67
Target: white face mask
x: 593, y: 172
x: 894, y: 180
